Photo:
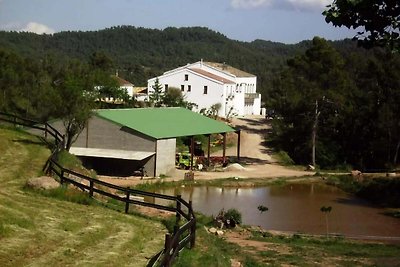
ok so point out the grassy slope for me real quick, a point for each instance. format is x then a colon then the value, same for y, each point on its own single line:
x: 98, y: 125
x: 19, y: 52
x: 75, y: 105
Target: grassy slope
x: 37, y: 231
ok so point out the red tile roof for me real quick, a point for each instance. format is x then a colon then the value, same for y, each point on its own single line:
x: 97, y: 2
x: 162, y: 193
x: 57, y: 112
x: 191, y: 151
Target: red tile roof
x: 122, y: 82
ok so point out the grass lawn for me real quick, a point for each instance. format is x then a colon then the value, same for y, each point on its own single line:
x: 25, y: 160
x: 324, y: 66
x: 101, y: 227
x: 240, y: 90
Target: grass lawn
x: 36, y: 230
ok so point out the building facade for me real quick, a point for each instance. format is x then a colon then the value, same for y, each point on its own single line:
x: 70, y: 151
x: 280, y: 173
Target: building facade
x: 209, y: 83
x: 126, y: 140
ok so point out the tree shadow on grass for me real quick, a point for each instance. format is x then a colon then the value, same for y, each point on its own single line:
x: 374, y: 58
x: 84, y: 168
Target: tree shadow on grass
x: 29, y: 141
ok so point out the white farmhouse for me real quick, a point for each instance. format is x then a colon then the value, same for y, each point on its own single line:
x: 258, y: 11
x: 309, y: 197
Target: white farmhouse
x: 209, y: 83
x: 124, y: 84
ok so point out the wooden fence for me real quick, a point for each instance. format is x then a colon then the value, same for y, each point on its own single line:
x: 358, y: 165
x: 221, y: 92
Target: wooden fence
x: 182, y: 236
x: 46, y: 128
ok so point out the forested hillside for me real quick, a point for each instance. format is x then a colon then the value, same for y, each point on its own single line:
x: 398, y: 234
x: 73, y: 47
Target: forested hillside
x: 341, y: 105
x: 140, y: 53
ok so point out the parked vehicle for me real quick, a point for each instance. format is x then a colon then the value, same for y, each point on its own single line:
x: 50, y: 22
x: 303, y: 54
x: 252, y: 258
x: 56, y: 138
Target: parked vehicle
x: 182, y: 160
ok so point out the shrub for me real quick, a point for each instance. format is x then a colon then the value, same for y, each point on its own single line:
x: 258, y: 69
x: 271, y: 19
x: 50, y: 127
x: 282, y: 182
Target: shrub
x: 284, y: 158
x: 233, y: 214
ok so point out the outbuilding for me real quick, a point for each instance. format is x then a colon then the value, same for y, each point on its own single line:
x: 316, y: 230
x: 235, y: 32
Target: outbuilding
x: 131, y: 139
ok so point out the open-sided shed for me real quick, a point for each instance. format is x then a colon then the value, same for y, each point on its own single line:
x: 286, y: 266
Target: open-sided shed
x: 143, y: 137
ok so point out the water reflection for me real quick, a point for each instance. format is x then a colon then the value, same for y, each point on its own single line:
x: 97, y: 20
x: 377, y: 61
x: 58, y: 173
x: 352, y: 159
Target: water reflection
x: 294, y: 207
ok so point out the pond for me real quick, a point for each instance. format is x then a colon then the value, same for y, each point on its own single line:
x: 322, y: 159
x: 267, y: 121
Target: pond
x: 295, y: 208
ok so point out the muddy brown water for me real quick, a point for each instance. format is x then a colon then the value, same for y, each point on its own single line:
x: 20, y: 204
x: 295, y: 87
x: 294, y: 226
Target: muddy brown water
x: 295, y: 208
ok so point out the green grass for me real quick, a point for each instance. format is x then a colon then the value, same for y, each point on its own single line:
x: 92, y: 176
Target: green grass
x: 295, y: 250
x: 305, y: 250
x: 68, y: 194
x: 283, y: 158
x: 71, y: 162
x: 209, y: 251
x: 62, y: 227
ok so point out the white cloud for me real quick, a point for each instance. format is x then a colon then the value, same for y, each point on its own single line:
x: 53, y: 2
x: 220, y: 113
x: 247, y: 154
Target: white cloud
x: 301, y: 5
x: 37, y: 28
x: 250, y: 3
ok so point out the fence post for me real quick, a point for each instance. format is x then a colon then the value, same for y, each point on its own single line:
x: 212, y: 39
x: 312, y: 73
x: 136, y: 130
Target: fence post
x: 167, y: 251
x: 128, y: 193
x: 15, y: 121
x: 193, y: 227
x: 178, y: 208
x: 91, y: 188
x: 47, y: 167
x: 61, y: 177
x: 176, y: 228
x: 63, y: 141
x: 45, y: 130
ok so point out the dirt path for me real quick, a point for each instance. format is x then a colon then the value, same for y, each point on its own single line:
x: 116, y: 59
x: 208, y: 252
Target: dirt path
x: 256, y: 158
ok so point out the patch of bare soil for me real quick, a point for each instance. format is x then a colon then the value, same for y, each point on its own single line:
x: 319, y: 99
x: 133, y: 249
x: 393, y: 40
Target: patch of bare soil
x: 151, y: 212
x: 241, y: 238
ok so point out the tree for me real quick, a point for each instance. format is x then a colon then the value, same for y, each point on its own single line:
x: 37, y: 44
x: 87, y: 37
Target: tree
x: 305, y: 121
x: 174, y: 98
x: 157, y: 95
x: 378, y: 21
x: 211, y: 112
x: 100, y: 60
x: 108, y: 87
x: 76, y: 87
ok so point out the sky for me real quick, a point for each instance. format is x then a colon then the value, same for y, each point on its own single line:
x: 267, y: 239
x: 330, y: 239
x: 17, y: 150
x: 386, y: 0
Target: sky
x: 286, y: 21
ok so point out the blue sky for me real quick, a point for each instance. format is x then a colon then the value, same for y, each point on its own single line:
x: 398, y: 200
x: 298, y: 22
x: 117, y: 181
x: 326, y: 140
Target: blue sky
x: 287, y: 21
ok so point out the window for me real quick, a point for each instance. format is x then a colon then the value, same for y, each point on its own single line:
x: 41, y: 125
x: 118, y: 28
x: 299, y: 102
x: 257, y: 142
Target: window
x: 182, y: 88
x: 205, y: 89
x: 189, y: 88
x: 166, y: 87
x: 186, y: 77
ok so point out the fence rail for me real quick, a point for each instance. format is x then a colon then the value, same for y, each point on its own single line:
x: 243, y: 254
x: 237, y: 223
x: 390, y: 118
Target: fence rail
x: 45, y: 127
x: 181, y: 237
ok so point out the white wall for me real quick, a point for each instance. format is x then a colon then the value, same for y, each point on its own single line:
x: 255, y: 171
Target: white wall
x: 165, y: 156
x: 129, y: 89
x: 215, y: 92
x: 229, y: 95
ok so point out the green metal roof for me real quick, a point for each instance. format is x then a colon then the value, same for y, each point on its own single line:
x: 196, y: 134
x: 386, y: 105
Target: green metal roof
x: 161, y: 123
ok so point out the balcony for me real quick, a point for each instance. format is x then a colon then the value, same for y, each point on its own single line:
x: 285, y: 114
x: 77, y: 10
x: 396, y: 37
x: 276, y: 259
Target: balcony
x: 249, y: 98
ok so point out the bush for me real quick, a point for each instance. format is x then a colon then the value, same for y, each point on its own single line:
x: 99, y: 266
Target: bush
x: 233, y: 214
x: 284, y: 158
x: 169, y: 223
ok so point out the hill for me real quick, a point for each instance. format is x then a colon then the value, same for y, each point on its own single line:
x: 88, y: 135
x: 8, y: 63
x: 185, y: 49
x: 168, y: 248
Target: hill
x: 139, y: 53
x: 37, y: 230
